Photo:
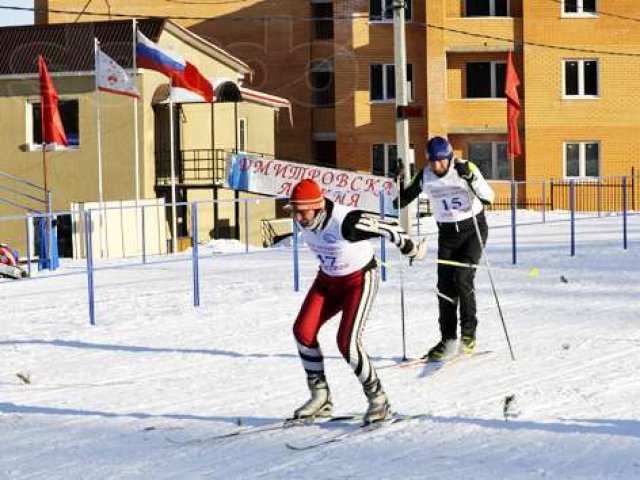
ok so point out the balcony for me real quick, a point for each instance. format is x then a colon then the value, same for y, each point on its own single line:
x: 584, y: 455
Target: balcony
x: 507, y: 28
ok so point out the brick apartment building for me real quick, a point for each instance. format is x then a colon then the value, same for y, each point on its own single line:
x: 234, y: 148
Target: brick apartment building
x: 578, y: 61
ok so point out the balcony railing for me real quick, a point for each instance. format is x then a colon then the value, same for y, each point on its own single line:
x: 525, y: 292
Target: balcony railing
x: 193, y: 166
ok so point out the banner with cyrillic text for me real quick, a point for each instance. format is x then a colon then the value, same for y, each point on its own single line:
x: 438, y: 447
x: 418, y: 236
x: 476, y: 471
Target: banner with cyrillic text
x: 269, y: 176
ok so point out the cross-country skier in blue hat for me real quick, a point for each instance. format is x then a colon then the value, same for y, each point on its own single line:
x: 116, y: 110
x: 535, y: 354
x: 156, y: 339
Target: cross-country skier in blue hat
x: 457, y: 192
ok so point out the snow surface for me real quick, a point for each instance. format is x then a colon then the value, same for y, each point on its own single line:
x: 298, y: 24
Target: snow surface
x: 101, y: 402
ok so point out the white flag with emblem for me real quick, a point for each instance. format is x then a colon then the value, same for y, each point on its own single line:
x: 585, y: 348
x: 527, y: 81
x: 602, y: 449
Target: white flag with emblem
x: 111, y: 77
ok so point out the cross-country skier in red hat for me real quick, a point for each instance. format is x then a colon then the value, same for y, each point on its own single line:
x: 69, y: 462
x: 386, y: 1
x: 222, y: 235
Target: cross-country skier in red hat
x: 346, y: 282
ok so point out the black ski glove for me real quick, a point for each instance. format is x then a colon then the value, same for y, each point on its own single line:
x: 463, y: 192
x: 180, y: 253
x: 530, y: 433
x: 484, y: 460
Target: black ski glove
x: 464, y: 170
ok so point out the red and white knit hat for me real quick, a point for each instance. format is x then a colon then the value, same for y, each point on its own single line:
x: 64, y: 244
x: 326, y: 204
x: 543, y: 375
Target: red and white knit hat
x: 306, y: 195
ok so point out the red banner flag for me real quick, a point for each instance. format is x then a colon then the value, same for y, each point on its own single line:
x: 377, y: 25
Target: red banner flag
x: 52, y: 129
x: 513, y: 107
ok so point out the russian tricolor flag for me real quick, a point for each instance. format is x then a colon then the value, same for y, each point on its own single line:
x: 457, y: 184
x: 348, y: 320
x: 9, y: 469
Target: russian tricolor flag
x: 182, y: 73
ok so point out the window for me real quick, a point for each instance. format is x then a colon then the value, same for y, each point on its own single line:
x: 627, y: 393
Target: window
x: 580, y: 78
x: 485, y: 79
x: 323, y: 20
x: 491, y: 158
x: 579, y: 8
x: 384, y: 157
x: 324, y: 152
x: 487, y: 8
x: 69, y: 115
x: 323, y: 88
x: 383, y: 82
x: 382, y: 10
x: 582, y: 159
x: 242, y: 135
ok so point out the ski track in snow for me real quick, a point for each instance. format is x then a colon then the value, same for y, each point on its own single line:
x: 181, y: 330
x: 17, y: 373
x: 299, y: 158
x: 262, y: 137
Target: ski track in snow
x: 103, y: 400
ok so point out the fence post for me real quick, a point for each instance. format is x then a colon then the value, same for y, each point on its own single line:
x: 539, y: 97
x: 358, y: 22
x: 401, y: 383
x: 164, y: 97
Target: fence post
x: 572, y: 203
x: 624, y: 212
x: 599, y: 196
x: 88, y: 232
x: 383, y: 250
x: 194, y: 254
x: 551, y: 194
x: 29, y: 223
x: 544, y: 201
x: 144, y: 237
x: 296, y: 266
x: 123, y: 242
x: 55, y: 258
x: 246, y: 226
x: 633, y: 188
x: 514, y: 258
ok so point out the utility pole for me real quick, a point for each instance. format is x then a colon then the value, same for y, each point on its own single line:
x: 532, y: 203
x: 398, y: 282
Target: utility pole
x: 402, y: 100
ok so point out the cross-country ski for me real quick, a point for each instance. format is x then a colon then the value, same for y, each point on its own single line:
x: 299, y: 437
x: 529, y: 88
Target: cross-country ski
x: 352, y: 432
x: 422, y: 361
x: 244, y: 431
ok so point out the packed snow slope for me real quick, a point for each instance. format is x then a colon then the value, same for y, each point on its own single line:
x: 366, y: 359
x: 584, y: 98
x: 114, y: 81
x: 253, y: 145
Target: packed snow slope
x: 103, y: 402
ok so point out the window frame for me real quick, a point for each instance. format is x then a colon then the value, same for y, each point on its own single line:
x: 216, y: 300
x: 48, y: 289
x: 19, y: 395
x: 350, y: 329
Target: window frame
x: 408, y: 12
x: 581, y: 79
x: 582, y: 159
x: 580, y: 13
x: 492, y: 10
x: 385, y: 76
x: 492, y: 79
x: 30, y: 127
x: 495, y: 161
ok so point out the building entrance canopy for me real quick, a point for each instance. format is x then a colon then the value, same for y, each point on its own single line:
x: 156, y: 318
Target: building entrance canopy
x: 226, y: 91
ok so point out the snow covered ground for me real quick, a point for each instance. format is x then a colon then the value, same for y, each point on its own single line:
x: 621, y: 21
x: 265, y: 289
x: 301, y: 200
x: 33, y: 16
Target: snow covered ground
x: 102, y: 402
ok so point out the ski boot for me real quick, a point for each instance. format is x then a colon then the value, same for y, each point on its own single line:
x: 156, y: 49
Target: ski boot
x: 319, y: 405
x: 379, y: 408
x: 441, y: 350
x: 467, y: 343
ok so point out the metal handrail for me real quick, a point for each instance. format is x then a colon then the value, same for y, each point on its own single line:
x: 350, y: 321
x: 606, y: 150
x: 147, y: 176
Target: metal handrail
x: 21, y: 194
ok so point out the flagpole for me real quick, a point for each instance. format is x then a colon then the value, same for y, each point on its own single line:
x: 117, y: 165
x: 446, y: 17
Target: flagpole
x: 99, y: 143
x: 174, y: 222
x: 135, y: 115
x: 46, y: 180
x: 513, y: 166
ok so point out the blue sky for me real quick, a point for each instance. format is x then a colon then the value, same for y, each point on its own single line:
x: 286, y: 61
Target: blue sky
x: 12, y: 17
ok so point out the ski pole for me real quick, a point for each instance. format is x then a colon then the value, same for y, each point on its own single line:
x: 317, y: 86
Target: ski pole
x: 404, y: 338
x: 509, y: 399
x: 493, y: 287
